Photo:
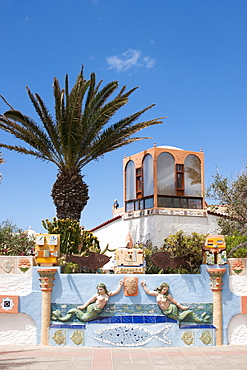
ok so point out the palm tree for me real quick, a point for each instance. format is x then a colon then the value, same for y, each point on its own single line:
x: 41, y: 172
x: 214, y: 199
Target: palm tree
x: 81, y: 132
x: 1, y: 161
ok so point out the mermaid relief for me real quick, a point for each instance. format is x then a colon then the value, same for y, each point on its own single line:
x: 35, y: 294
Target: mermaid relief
x: 170, y: 306
x: 92, y: 308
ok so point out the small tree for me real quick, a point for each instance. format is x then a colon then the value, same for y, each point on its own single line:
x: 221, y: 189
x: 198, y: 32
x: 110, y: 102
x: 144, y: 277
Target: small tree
x: 232, y: 194
x: 236, y: 246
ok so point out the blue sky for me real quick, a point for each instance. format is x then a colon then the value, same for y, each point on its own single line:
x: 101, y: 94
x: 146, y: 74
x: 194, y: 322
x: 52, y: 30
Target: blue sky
x: 188, y: 57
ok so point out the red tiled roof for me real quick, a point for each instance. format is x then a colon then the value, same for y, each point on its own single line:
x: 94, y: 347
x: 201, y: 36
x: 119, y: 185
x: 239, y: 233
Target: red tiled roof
x: 106, y: 223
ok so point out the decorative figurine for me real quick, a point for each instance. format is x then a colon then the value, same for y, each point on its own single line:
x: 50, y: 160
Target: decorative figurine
x: 47, y: 249
x: 130, y: 286
x: 129, y: 261
x: 94, y: 306
x: 169, y: 305
x: 214, y: 250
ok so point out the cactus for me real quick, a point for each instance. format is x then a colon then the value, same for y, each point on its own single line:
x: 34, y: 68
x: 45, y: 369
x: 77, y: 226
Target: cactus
x: 70, y: 233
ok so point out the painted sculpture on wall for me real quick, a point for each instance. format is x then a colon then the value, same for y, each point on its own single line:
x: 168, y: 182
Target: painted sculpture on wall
x: 93, y: 261
x: 164, y: 260
x: 92, y: 308
x: 170, y: 306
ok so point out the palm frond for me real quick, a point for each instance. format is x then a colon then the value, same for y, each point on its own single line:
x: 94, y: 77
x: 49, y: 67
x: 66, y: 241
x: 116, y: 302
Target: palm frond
x: 23, y: 150
x: 28, y: 131
x: 47, y: 121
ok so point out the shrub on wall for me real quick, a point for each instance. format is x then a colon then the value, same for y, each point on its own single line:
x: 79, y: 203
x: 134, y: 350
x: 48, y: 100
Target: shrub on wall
x: 14, y: 241
x: 181, y: 245
x: 149, y: 249
x: 178, y: 245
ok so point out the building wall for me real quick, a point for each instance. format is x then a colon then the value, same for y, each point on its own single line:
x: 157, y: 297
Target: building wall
x: 153, y: 227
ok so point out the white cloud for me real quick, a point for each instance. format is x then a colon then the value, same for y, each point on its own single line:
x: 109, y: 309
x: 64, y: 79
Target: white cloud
x: 128, y: 59
x: 149, y: 62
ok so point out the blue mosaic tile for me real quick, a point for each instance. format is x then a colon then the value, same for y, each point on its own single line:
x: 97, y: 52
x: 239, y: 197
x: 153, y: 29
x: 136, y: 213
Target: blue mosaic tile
x: 127, y: 319
x: 116, y: 319
x: 170, y: 320
x: 96, y: 321
x: 67, y: 326
x: 197, y: 326
x: 104, y: 320
x: 149, y: 319
x: 159, y: 319
x: 138, y: 319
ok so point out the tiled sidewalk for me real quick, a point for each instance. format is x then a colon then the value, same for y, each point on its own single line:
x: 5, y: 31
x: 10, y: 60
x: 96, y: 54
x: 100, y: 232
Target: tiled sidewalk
x: 65, y: 358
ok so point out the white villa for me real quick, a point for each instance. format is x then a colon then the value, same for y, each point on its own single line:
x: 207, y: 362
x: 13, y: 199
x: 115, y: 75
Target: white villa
x: 163, y: 193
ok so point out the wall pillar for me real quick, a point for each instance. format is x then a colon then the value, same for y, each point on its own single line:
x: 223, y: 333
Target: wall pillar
x: 46, y: 278
x: 216, y: 287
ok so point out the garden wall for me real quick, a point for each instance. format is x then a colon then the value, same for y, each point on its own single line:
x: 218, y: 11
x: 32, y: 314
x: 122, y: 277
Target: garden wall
x: 126, y: 320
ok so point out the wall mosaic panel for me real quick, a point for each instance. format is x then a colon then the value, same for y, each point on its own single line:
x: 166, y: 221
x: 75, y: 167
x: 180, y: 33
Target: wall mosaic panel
x: 135, y: 313
x: 237, y: 266
x: 16, y: 265
x: 197, y: 337
x: 126, y: 335
x: 67, y: 335
x: 9, y: 304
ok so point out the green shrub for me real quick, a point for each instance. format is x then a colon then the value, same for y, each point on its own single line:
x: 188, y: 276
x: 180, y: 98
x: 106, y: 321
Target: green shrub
x: 178, y: 245
x: 181, y: 245
x: 234, y: 241
x: 149, y: 249
x: 14, y: 241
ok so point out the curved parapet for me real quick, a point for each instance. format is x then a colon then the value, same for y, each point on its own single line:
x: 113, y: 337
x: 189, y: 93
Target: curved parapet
x: 237, y: 330
x: 17, y: 329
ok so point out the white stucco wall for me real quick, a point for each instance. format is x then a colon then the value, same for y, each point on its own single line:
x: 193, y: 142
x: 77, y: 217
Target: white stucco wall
x: 237, y: 330
x: 153, y: 227
x: 238, y: 285
x: 16, y: 275
x: 17, y: 329
x: 15, y: 284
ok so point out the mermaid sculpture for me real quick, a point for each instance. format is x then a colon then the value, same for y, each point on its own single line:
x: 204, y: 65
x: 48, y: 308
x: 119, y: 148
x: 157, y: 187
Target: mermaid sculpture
x: 169, y: 306
x: 92, y: 308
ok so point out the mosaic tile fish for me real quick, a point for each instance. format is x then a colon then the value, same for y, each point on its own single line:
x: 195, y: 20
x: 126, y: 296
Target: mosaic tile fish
x: 131, y: 335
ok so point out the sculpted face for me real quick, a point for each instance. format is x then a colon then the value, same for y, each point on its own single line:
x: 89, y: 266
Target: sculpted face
x: 101, y: 290
x: 164, y: 290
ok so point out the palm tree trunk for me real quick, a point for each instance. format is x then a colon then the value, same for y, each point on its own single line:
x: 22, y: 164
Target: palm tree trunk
x: 70, y: 194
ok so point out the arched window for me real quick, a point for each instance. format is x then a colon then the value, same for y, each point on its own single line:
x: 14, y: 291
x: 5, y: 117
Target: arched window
x: 165, y: 174
x: 148, y: 175
x: 130, y: 181
x: 192, y: 176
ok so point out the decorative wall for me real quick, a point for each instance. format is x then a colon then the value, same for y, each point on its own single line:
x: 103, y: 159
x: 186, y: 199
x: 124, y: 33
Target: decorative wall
x: 126, y: 320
